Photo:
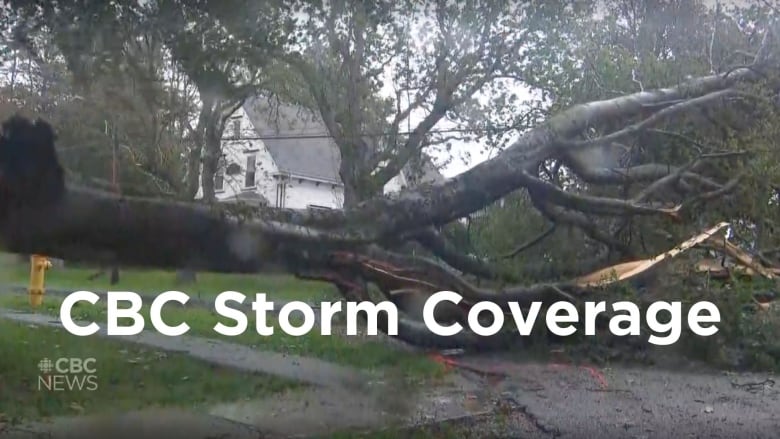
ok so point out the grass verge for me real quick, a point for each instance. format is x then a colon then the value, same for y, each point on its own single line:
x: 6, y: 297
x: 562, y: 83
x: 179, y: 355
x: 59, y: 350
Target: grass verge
x: 128, y: 376
x: 361, y: 352
x: 208, y: 285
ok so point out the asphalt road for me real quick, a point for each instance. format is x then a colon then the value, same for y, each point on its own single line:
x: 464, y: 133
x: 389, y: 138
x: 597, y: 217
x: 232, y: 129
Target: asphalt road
x: 564, y: 401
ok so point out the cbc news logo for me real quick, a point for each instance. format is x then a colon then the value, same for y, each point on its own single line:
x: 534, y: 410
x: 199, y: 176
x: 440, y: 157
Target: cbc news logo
x: 67, y: 374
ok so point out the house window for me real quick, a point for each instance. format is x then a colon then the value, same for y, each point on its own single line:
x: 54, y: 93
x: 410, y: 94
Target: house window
x: 281, y: 193
x: 219, y: 181
x: 219, y: 176
x: 251, y: 168
x: 237, y: 128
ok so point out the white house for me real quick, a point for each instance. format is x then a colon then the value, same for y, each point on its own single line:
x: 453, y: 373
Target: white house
x: 281, y: 155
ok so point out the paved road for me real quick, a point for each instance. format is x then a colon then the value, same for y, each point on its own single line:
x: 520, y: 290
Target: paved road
x: 565, y: 401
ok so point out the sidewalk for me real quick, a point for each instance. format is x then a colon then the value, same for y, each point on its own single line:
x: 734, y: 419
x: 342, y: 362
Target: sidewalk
x: 173, y: 424
x: 303, y: 369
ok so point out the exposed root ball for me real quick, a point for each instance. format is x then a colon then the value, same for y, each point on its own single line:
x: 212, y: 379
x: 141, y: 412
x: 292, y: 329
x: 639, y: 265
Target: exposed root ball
x: 30, y: 172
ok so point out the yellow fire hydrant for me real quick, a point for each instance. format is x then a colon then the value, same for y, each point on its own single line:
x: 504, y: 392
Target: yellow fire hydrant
x: 38, y: 266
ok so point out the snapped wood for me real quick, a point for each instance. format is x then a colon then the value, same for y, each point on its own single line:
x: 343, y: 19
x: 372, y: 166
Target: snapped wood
x: 627, y: 270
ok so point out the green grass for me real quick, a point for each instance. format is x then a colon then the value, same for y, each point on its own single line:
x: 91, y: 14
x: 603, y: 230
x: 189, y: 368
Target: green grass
x: 129, y: 377
x: 367, y: 354
x: 208, y: 285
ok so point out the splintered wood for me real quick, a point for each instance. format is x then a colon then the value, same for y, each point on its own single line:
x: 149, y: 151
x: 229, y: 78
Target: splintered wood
x: 747, y: 265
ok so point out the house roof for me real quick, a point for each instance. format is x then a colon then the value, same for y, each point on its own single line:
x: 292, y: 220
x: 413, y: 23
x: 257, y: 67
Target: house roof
x: 300, y: 144
x: 282, y: 126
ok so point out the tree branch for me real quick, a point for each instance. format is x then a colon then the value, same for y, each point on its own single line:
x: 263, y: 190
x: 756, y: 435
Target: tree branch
x: 531, y: 242
x: 441, y: 247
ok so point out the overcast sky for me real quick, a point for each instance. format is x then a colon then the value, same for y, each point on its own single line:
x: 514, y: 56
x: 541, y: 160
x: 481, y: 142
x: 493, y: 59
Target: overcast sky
x: 476, y: 151
x: 452, y: 163
x: 457, y: 165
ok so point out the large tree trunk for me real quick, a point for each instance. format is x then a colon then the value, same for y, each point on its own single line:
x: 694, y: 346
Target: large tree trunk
x: 195, y: 156
x: 193, y: 170
x: 351, y: 195
x: 213, y: 151
x: 215, y: 126
x: 357, y: 188
x: 348, y: 173
x: 93, y: 223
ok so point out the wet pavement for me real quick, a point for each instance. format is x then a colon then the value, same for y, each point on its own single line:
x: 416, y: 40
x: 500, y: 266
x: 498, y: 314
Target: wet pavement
x: 570, y: 401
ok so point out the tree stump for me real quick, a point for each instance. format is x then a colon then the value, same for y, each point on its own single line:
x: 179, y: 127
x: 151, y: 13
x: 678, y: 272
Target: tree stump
x: 114, y: 275
x: 186, y: 276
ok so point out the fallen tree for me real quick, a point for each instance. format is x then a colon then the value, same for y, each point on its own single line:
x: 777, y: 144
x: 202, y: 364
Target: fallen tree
x: 41, y: 213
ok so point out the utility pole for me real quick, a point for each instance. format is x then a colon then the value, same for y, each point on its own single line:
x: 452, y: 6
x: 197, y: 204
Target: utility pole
x: 111, y: 131
x: 115, y: 182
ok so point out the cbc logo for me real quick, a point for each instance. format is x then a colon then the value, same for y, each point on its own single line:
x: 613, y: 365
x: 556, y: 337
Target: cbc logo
x: 67, y: 365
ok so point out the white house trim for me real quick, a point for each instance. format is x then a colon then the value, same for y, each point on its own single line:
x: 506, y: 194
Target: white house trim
x: 295, y: 166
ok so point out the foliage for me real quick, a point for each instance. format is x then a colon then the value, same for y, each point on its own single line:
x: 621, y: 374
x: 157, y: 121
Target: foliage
x: 637, y: 46
x: 394, y: 80
x: 125, y: 95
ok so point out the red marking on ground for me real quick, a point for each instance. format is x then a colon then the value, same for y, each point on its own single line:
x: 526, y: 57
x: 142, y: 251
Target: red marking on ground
x: 499, y: 368
x: 450, y: 363
x: 594, y: 372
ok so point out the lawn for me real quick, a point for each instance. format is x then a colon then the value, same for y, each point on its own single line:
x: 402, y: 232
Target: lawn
x: 128, y: 376
x: 208, y: 285
x: 363, y: 353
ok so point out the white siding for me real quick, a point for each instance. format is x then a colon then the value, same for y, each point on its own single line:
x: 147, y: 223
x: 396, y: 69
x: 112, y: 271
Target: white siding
x: 395, y: 184
x: 299, y: 193
x: 236, y: 151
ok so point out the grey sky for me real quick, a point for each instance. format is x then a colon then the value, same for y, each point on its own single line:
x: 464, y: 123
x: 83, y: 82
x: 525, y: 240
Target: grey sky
x: 477, y: 154
x: 475, y: 150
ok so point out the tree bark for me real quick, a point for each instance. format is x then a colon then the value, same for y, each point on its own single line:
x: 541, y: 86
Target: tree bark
x: 90, y: 223
x: 195, y: 156
x: 213, y: 151
x: 193, y: 170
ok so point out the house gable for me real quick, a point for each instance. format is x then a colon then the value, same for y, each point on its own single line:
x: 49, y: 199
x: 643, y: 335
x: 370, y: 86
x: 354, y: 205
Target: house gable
x: 302, y: 146
x: 296, y: 162
x: 240, y: 149
x: 296, y: 139
x: 305, y: 169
